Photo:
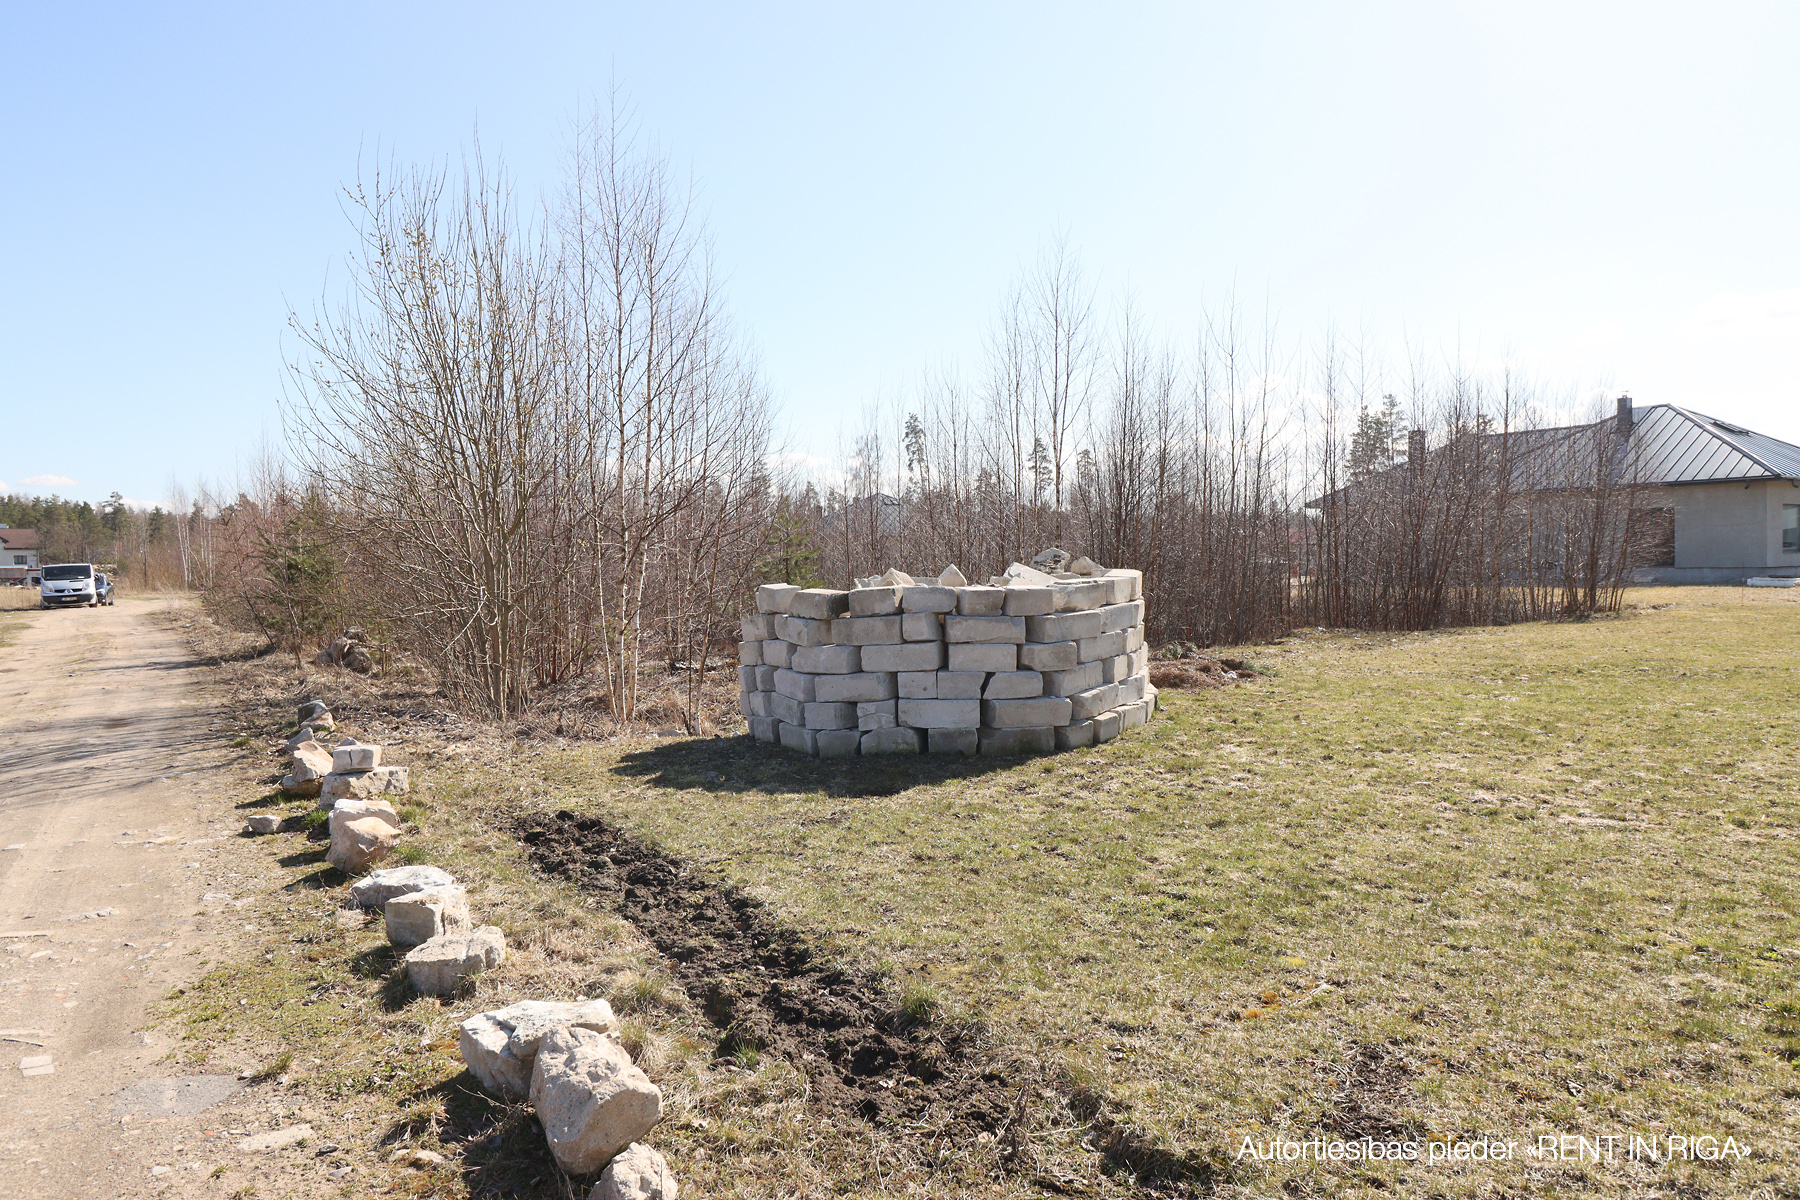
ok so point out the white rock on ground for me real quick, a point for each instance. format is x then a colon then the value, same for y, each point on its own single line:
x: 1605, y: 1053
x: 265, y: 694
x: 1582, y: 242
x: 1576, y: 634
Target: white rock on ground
x: 360, y: 844
x: 638, y: 1173
x: 349, y: 756
x: 501, y: 1045
x: 591, y: 1100
x: 436, y: 967
x: 358, y: 810
x: 262, y: 823
x: 416, y: 917
x: 382, y: 886
x: 312, y: 762
x: 362, y: 785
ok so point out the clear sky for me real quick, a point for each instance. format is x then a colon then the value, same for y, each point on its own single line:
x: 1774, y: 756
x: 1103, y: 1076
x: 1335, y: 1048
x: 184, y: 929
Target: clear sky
x: 1608, y: 192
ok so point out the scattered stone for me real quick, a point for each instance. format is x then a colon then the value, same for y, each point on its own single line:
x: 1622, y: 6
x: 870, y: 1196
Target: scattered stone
x: 500, y: 1047
x: 361, y: 785
x: 311, y: 709
x: 591, y: 1100
x: 262, y: 823
x: 1051, y: 561
x: 359, y: 844
x: 311, y: 764
x: 379, y: 887
x: 278, y: 1139
x: 416, y: 917
x: 638, y: 1173
x: 37, y: 1065
x: 953, y: 577
x: 349, y: 756
x: 411, y: 1156
x: 438, y: 966
x: 357, y: 810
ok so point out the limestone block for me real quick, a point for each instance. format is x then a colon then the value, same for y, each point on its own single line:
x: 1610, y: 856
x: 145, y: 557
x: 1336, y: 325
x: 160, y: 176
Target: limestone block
x: 1079, y: 679
x: 839, y: 743
x: 1038, y: 740
x: 787, y: 708
x: 501, y: 1045
x: 1154, y: 697
x: 910, y: 656
x: 349, y: 756
x: 750, y: 654
x: 747, y: 679
x: 1140, y: 661
x: 864, y: 685
x: 819, y: 604
x: 877, y: 714
x: 928, y: 598
x: 1107, y: 726
x: 1081, y: 595
x: 777, y: 653
x: 922, y: 627
x: 804, y: 632
x: 378, y: 887
x: 797, y: 685
x: 827, y: 660
x: 311, y: 709
x: 1107, y: 645
x: 363, y: 785
x: 940, y: 714
x: 1029, y: 601
x: 874, y: 601
x: 866, y: 631
x: 262, y: 823
x: 1045, y: 711
x: 1063, y: 627
x: 774, y: 597
x: 1134, y: 638
x: 984, y: 656
x: 980, y: 601
x: 437, y: 966
x: 416, y: 917
x: 895, y: 740
x: 1013, y: 685
x: 1116, y: 617
x: 758, y: 627
x: 960, y: 685
x: 358, y: 845
x: 1075, y: 735
x: 1047, y: 656
x: 362, y: 810
x: 1052, y: 560
x: 638, y: 1173
x: 590, y: 1099
x: 951, y: 577
x: 984, y: 630
x: 1132, y: 688
x: 311, y: 763
x: 1084, y: 706
x: 1134, y: 581
x: 831, y: 716
x: 1029, y: 576
x: 917, y: 685
x: 765, y: 729
x: 1112, y: 670
x: 799, y: 737
x: 954, y: 741
x: 765, y: 677
x: 756, y: 704
x: 1134, y: 714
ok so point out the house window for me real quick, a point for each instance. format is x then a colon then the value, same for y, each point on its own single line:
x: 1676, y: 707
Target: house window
x: 18, y: 560
x: 1790, y: 528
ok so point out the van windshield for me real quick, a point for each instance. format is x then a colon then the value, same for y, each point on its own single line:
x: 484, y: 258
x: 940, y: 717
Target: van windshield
x: 70, y: 571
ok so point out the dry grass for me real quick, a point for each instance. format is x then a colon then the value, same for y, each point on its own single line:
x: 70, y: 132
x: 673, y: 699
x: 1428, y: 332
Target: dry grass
x: 18, y: 598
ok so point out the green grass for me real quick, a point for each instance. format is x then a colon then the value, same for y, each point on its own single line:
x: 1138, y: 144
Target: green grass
x: 1501, y: 882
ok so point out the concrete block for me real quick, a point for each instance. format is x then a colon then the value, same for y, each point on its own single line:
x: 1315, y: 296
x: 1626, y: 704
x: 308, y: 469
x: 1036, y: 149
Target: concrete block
x: 958, y: 628
x: 839, y: 743
x: 1132, y: 688
x: 891, y: 741
x: 928, y: 598
x: 1134, y: 638
x: 803, y: 632
x: 799, y: 737
x: 1048, y: 656
x: 757, y: 627
x: 983, y: 656
x: 1140, y: 661
x: 747, y: 677
x: 864, y: 685
x: 1106, y: 726
x: 831, y: 716
x: 1025, y: 714
x: 877, y: 714
x: 777, y: 653
x: 874, y: 602
x: 922, y: 627
x: 786, y: 708
x: 960, y: 685
x: 827, y: 660
x: 909, y: 656
x: 765, y: 678
x: 1063, y: 627
x: 917, y: 685
x: 797, y: 684
x: 1115, y: 669
x: 1107, y: 645
x: 1078, y: 679
x: 774, y: 597
x: 1041, y: 740
x: 750, y: 654
x: 954, y: 741
x: 765, y: 729
x: 980, y: 601
x: 355, y: 756
x: 819, y: 604
x: 1029, y: 601
x: 1084, y: 706
x: 1081, y: 595
x: 1134, y: 581
x: 756, y: 704
x: 1075, y: 735
x: 1013, y: 685
x: 1134, y: 714
x: 940, y: 714
x: 866, y: 631
x: 1116, y: 617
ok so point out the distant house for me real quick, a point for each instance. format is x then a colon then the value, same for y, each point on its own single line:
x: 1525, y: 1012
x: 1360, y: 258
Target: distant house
x: 18, y: 555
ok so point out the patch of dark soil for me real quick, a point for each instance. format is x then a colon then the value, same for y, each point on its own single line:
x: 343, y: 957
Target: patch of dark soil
x: 1374, y: 1085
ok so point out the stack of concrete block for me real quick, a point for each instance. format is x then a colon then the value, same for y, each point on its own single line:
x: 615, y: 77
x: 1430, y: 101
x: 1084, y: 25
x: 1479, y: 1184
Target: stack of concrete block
x: 1029, y: 663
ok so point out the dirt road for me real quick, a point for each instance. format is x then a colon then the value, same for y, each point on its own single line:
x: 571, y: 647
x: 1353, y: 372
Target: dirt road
x: 116, y: 882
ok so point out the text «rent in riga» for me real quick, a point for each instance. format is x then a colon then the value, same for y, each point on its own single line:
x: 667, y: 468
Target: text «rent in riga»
x: 1548, y: 1147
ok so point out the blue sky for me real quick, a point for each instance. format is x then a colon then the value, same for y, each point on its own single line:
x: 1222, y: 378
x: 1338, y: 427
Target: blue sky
x: 1609, y: 194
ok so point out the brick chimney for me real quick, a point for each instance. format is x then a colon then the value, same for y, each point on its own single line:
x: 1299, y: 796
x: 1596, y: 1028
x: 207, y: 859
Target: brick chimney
x: 1625, y: 417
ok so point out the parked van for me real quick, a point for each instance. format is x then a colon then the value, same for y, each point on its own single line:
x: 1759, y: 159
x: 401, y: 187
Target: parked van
x: 64, y: 584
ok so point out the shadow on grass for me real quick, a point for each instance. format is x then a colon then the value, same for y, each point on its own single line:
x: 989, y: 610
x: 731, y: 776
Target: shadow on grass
x: 266, y: 800
x: 503, y: 1152
x: 742, y: 764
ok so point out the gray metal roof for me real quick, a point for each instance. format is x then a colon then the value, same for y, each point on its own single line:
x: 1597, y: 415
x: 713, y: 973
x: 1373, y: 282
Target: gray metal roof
x: 1677, y: 445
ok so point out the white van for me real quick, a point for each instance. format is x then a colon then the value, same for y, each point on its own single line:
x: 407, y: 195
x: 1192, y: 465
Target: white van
x: 63, y: 584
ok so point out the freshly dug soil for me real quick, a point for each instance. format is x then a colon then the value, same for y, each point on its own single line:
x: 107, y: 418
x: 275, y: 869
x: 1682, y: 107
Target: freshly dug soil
x: 1199, y: 672
x: 761, y: 983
